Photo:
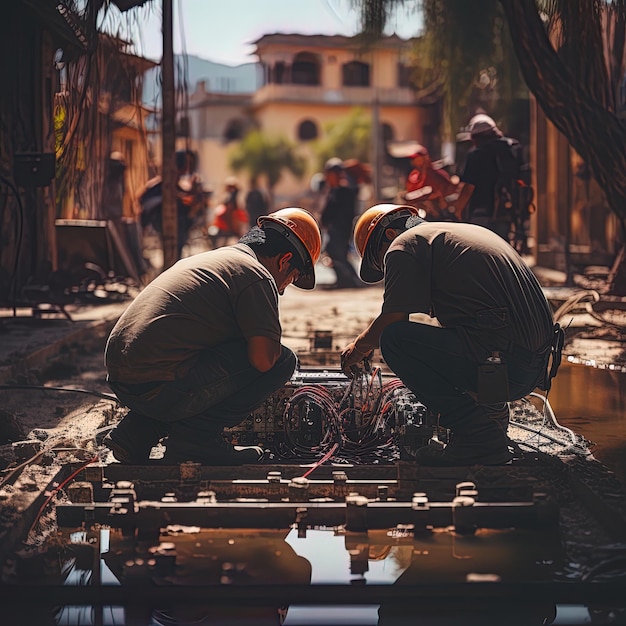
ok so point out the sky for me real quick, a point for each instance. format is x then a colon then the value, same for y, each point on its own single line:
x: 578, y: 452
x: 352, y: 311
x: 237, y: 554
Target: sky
x: 222, y: 30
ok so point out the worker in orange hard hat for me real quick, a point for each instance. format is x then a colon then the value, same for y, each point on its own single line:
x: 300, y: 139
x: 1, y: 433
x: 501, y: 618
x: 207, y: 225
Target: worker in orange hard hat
x: 495, y: 335
x: 200, y: 347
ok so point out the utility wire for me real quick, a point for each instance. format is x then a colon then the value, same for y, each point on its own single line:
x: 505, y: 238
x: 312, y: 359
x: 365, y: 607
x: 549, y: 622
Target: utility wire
x: 97, y: 394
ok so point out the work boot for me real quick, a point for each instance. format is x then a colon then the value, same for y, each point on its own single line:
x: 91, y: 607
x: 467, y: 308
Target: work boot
x: 487, y: 445
x: 213, y: 451
x: 122, y: 452
x: 132, y: 440
x: 500, y: 413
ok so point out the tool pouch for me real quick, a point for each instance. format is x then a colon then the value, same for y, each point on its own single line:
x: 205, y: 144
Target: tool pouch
x: 493, y: 381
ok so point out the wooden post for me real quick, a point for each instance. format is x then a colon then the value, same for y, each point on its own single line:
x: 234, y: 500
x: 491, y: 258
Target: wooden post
x: 168, y: 141
x: 376, y: 141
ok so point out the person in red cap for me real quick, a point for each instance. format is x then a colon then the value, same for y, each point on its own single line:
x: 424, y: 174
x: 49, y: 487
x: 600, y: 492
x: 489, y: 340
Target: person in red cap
x: 439, y: 195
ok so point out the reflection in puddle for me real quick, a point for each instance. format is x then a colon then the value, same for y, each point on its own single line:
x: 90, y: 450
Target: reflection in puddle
x: 251, y: 557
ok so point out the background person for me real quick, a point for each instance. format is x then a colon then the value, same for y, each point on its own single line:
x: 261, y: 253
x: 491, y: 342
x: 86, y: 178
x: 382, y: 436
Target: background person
x: 496, y: 330
x: 190, y: 199
x: 229, y: 220
x: 493, y: 167
x: 257, y: 202
x: 337, y: 218
x: 199, y: 348
x: 443, y: 198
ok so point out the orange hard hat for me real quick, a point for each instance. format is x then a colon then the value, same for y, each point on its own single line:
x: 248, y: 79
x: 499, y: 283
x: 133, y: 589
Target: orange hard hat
x: 301, y: 229
x: 368, y: 235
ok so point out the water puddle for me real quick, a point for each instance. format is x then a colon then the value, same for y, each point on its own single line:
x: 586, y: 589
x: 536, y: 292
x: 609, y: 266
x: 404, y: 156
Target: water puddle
x: 251, y: 557
x: 592, y: 402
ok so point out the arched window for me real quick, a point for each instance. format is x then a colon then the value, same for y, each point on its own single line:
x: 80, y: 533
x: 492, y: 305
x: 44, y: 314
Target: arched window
x: 234, y: 131
x: 307, y: 131
x: 356, y: 74
x: 305, y: 69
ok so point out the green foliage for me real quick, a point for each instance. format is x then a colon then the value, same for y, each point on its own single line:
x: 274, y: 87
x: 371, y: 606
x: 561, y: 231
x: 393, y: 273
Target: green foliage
x: 348, y: 137
x: 468, y: 41
x: 263, y: 155
x: 461, y: 40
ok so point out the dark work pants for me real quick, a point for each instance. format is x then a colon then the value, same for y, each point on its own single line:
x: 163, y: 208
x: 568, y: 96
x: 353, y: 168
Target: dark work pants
x: 220, y: 391
x: 337, y: 248
x: 435, y: 365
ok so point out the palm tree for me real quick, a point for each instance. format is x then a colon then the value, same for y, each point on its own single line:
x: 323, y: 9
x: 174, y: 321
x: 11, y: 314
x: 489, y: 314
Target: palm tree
x: 348, y: 137
x: 572, y: 57
x: 263, y: 155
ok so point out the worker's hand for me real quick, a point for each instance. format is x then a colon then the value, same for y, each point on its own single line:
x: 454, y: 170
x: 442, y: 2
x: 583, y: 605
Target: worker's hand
x: 353, y: 360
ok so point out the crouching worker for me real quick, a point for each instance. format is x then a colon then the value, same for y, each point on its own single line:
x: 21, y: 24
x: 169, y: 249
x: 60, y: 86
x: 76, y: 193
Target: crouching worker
x: 200, y: 347
x: 495, y: 334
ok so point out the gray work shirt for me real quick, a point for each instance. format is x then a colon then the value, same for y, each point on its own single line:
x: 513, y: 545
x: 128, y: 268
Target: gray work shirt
x: 470, y: 279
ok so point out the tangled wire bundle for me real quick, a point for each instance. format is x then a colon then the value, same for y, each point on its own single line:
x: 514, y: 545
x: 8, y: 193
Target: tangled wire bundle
x: 360, y: 427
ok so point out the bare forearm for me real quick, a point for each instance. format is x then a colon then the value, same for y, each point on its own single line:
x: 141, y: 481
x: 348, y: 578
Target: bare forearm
x: 368, y: 340
x: 263, y: 353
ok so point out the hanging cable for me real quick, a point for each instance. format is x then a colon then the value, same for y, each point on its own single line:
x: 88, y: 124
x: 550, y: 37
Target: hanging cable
x: 573, y: 300
x: 323, y: 460
x: 552, y: 417
x: 548, y: 423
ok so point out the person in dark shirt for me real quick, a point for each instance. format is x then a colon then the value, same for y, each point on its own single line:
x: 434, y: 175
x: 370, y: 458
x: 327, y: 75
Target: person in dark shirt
x: 337, y: 219
x: 189, y: 199
x: 492, y: 167
x: 256, y: 202
x: 494, y: 333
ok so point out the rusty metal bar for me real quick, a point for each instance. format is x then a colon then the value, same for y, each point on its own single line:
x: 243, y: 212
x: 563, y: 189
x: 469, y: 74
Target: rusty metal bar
x: 264, y: 514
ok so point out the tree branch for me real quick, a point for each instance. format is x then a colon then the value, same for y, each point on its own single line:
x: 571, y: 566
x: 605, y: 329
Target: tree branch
x: 594, y: 132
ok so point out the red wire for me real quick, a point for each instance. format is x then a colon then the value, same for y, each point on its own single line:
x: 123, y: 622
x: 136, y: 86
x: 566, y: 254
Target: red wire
x: 322, y: 460
x: 58, y: 487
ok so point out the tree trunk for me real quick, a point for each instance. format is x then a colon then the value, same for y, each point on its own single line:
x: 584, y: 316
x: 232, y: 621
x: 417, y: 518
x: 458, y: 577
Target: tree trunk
x: 593, y: 131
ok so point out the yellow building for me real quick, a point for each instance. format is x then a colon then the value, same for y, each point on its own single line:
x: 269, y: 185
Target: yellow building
x: 307, y: 81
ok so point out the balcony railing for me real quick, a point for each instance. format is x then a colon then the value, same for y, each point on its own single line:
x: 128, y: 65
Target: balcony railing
x: 317, y: 94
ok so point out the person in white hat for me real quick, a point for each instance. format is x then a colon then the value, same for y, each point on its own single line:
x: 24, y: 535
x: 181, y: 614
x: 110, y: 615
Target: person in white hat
x: 492, y: 166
